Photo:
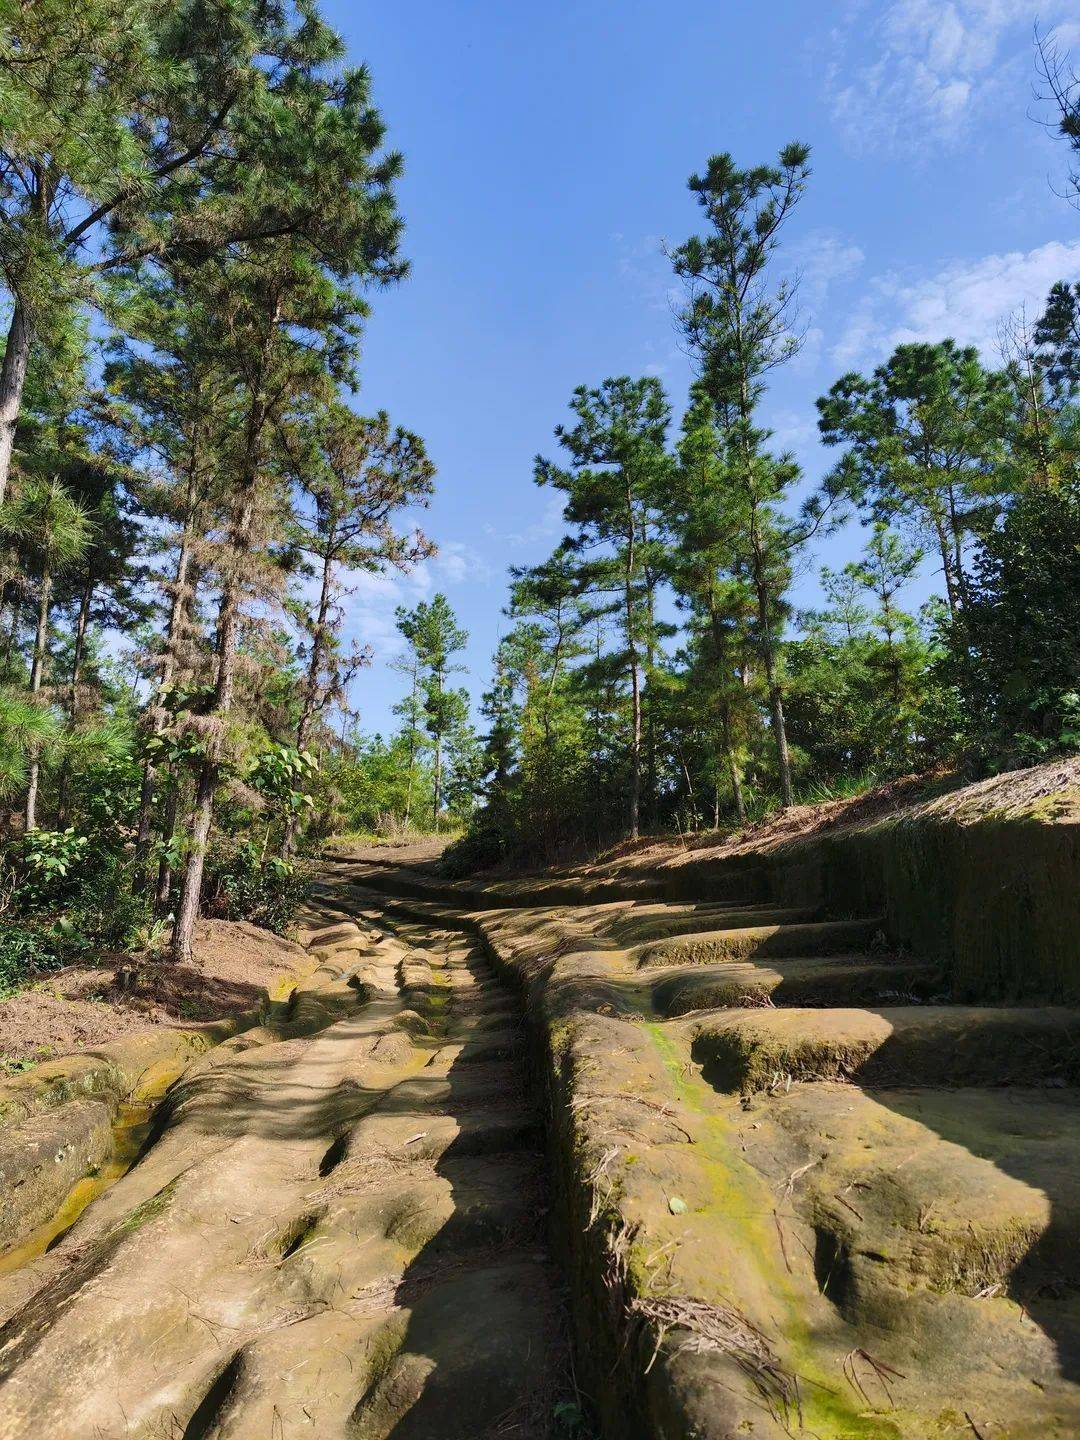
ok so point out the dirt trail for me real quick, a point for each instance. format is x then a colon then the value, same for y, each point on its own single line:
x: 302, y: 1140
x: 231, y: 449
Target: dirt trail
x: 340, y: 1230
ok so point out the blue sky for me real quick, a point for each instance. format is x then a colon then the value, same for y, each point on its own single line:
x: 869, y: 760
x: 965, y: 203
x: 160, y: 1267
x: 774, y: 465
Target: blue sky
x: 547, y: 148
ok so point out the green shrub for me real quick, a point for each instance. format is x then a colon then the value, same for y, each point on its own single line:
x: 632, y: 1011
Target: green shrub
x: 241, y: 884
x: 66, y: 898
x: 103, y: 911
x: 25, y: 950
x: 48, y: 863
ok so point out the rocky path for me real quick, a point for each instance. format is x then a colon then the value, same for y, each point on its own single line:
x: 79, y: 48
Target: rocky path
x: 800, y: 1193
x: 825, y: 1199
x: 340, y: 1229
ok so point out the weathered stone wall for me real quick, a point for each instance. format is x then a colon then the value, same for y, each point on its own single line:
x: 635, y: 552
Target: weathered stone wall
x: 995, y: 900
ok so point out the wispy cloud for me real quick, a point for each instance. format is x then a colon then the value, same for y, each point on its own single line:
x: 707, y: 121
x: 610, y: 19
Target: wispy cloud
x: 369, y: 608
x: 966, y: 300
x: 793, y: 429
x: 541, y: 531
x: 823, y: 258
x: 646, y: 271
x: 923, y: 69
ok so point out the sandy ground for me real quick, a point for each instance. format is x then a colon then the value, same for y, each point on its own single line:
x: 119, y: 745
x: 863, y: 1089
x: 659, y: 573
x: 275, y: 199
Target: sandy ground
x: 423, y: 849
x: 85, y: 1005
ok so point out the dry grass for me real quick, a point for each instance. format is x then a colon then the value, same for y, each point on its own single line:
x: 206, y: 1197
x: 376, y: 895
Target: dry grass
x: 704, y: 1328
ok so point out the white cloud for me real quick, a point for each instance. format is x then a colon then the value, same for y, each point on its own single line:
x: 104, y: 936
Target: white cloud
x: 793, y: 429
x: 823, y: 258
x: 369, y: 608
x: 965, y: 300
x: 457, y: 563
x: 543, y: 530
x: 646, y: 271
x: 930, y: 66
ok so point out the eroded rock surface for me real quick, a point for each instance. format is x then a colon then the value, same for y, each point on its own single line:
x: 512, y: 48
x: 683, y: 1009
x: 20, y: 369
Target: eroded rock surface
x: 340, y: 1230
x: 794, y: 1189
x: 806, y: 1193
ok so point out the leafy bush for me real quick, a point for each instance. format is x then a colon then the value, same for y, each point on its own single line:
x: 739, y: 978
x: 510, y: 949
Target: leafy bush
x: 48, y: 861
x: 242, y: 884
x: 64, y: 898
x: 483, y: 846
x: 24, y: 950
x: 104, y: 911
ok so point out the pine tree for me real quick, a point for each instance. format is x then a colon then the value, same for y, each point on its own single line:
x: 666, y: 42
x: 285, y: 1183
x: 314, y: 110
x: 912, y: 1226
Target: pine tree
x: 739, y: 329
x: 289, y: 314
x: 125, y: 124
x: 924, y: 436
x: 53, y: 528
x: 356, y: 473
x: 434, y: 634
x: 614, y: 483
x: 710, y: 570
x: 551, y: 594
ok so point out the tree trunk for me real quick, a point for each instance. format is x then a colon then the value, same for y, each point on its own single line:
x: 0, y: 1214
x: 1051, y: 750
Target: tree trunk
x: 311, y: 693
x: 227, y: 637
x: 635, y: 676
x: 946, y: 568
x: 191, y: 893
x: 776, y: 699
x: 412, y: 775
x: 144, y: 829
x: 650, y: 704
x: 761, y: 586
x: 78, y: 656
x: 437, y: 805
x: 414, y: 702
x: 12, y: 379
x: 734, y: 769
x: 9, y: 612
x: 957, y: 549
x: 168, y: 829
x: 36, y: 673
x: 288, y: 840
x: 13, y: 632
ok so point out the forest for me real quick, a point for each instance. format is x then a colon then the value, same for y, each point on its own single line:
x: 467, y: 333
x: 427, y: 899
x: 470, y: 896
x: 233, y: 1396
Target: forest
x: 198, y: 207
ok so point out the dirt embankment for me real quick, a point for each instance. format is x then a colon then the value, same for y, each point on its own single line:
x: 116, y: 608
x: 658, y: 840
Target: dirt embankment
x: 83, y: 1006
x: 938, y: 794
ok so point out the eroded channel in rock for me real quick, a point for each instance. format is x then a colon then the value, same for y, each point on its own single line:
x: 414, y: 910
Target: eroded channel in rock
x: 797, y: 1193
x: 341, y: 1230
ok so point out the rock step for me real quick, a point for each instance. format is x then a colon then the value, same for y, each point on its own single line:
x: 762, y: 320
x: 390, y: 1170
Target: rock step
x: 751, y: 1050
x: 831, y: 980
x: 959, y: 1191
x: 638, y: 927
x: 822, y: 937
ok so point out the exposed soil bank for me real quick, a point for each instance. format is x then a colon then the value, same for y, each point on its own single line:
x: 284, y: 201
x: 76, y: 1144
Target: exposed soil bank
x: 85, y: 1006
